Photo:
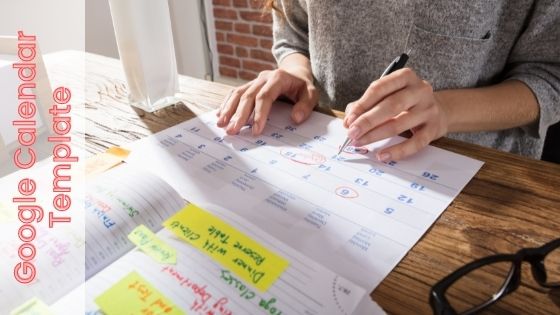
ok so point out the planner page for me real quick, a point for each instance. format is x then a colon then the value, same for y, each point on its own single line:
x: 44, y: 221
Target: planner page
x: 55, y: 254
x: 351, y: 213
x: 115, y: 203
x: 198, y: 284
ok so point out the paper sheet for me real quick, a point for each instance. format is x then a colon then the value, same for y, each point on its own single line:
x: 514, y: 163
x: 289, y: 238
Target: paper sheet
x: 59, y: 258
x: 117, y: 201
x: 351, y: 213
x: 242, y: 255
x: 134, y: 295
x: 198, y: 284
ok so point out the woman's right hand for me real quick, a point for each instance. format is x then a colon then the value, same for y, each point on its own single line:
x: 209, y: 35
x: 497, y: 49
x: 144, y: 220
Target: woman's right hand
x: 256, y: 97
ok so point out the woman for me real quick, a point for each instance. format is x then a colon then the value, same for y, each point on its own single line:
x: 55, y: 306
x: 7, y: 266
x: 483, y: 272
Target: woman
x: 481, y: 71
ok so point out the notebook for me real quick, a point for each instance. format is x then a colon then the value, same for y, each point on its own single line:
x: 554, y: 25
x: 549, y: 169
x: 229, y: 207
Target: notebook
x: 120, y: 200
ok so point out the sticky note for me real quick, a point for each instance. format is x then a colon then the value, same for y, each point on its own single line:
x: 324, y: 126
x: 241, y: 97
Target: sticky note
x: 154, y: 247
x: 135, y: 295
x: 118, y: 152
x: 6, y: 213
x: 32, y: 307
x: 231, y: 248
x: 106, y: 160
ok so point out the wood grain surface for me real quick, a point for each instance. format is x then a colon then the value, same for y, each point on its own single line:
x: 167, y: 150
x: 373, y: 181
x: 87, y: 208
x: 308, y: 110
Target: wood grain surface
x: 513, y: 202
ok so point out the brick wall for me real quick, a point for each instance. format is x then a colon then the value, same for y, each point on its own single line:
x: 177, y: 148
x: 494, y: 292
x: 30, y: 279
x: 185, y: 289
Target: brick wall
x: 244, y: 38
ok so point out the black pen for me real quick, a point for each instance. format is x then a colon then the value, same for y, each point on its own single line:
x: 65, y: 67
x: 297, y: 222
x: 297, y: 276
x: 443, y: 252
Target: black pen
x: 396, y: 64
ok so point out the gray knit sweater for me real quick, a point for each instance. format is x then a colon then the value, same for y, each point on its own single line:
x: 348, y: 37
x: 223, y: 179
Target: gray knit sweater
x: 455, y: 44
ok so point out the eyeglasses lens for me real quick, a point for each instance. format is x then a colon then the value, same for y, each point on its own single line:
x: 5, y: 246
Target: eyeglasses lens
x: 478, y: 286
x: 552, y: 267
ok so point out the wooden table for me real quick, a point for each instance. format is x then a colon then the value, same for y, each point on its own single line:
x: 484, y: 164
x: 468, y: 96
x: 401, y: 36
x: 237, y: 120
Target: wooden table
x: 513, y: 202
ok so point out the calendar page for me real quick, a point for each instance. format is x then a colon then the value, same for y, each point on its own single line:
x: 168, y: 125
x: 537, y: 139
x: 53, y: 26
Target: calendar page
x: 349, y: 212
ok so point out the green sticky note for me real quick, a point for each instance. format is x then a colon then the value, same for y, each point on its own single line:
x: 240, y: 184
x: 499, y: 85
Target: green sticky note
x: 32, y: 307
x: 154, y: 247
x: 135, y: 295
x: 7, y: 213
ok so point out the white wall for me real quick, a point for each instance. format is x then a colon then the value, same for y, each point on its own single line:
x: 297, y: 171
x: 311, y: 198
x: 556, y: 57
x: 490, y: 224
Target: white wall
x: 86, y: 25
x: 58, y: 24
x: 190, y: 47
x: 100, y: 37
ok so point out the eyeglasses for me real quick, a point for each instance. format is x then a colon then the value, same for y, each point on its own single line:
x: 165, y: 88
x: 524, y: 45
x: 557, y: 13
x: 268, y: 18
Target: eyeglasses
x: 545, y: 267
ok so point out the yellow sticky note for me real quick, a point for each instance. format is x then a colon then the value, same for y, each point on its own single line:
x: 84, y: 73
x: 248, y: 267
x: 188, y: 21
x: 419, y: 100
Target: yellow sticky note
x: 135, y: 295
x: 106, y: 160
x: 154, y: 247
x: 32, y: 307
x: 229, y: 247
x: 119, y: 152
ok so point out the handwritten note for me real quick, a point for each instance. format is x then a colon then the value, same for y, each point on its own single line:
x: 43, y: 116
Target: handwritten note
x: 150, y: 244
x: 116, y: 202
x: 228, y: 246
x: 134, y: 295
x: 32, y: 307
x: 198, y: 284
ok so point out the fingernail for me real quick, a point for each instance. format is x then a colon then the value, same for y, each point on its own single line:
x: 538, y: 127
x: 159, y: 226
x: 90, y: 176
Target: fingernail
x: 384, y: 157
x: 353, y: 132
x: 255, y: 128
x: 298, y: 116
x: 231, y: 125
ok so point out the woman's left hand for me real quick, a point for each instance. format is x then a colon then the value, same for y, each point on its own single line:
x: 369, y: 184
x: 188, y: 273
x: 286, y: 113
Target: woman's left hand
x: 396, y: 103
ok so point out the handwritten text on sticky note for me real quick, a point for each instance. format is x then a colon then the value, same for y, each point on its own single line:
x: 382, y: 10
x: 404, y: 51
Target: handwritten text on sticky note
x: 134, y: 295
x: 150, y: 244
x: 231, y: 248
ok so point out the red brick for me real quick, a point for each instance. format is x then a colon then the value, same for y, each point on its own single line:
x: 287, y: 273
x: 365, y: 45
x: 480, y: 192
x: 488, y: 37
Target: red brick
x: 242, y: 40
x: 262, y: 55
x: 243, y: 28
x: 266, y: 43
x: 247, y: 75
x: 257, y: 66
x: 230, y: 62
x: 224, y: 26
x: 256, y: 4
x: 220, y: 37
x: 225, y: 49
x: 240, y: 3
x: 262, y: 30
x: 228, y: 72
x: 256, y: 16
x: 221, y: 2
x: 225, y: 14
x: 241, y: 52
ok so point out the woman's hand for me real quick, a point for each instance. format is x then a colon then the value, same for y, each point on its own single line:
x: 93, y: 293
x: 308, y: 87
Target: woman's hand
x: 396, y: 103
x: 256, y: 98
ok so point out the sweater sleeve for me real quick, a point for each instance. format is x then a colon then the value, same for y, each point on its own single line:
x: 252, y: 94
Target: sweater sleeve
x: 290, y: 30
x: 535, y: 60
